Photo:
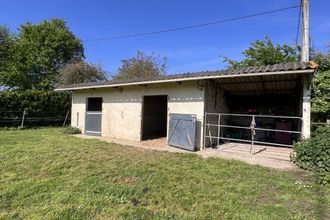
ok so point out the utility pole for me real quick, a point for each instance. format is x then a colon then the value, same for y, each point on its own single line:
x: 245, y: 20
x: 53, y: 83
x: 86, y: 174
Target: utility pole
x: 306, y: 99
x: 305, y: 32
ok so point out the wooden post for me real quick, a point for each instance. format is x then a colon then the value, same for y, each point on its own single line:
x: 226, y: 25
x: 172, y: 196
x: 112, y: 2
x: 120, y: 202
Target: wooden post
x: 305, y: 32
x: 66, y: 118
x: 23, y: 117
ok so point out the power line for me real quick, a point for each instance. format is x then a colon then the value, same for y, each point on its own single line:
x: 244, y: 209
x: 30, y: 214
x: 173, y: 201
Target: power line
x: 298, y: 25
x: 192, y: 26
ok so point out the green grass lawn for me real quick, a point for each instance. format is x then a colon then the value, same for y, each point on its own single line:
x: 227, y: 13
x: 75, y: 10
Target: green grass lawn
x: 45, y: 174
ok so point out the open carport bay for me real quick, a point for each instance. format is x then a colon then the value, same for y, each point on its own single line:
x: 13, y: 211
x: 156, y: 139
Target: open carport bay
x: 238, y: 103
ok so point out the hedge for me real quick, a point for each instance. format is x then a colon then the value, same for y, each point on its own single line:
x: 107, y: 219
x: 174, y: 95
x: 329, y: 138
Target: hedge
x: 37, y: 104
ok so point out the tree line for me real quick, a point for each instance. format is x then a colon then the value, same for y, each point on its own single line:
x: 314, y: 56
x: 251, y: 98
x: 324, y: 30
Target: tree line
x: 42, y: 56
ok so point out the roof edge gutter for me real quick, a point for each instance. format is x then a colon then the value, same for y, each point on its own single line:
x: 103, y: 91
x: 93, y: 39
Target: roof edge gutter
x: 186, y: 79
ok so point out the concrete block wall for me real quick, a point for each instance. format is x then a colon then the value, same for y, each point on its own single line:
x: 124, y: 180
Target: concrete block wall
x: 215, y: 102
x: 215, y: 98
x: 122, y: 109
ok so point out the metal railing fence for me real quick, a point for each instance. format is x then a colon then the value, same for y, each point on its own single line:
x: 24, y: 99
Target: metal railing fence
x: 251, y: 127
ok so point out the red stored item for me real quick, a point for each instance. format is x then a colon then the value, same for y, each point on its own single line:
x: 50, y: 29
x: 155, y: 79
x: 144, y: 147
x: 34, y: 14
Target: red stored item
x: 283, y: 137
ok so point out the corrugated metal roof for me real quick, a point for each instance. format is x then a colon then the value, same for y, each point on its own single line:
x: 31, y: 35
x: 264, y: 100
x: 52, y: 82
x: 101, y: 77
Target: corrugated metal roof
x: 258, y: 85
x: 287, y: 67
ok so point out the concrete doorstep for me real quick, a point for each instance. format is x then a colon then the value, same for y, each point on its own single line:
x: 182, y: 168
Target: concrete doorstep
x: 267, y: 156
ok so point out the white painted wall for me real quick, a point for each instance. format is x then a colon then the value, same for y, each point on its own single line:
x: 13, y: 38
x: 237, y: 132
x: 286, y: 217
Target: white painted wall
x: 306, y: 107
x: 122, y: 110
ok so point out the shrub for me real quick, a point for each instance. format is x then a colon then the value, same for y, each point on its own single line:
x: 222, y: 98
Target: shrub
x: 314, y: 154
x: 72, y: 130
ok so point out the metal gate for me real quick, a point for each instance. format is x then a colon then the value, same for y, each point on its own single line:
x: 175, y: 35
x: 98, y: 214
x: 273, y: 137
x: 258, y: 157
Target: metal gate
x: 93, y: 123
x: 182, y: 131
x: 214, y: 125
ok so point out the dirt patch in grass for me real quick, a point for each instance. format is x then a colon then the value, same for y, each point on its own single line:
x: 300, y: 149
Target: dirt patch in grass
x: 269, y: 197
x: 129, y: 180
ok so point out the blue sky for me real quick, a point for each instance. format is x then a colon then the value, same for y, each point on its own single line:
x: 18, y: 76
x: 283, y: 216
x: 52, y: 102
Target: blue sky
x: 187, y: 51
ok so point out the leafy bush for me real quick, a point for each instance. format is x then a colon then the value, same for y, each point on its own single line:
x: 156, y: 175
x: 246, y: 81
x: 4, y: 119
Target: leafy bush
x: 321, y: 96
x: 314, y: 154
x: 72, y: 130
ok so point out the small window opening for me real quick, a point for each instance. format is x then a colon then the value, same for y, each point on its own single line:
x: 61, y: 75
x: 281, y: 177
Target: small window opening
x: 94, y: 104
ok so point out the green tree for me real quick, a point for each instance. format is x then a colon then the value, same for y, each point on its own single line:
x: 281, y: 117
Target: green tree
x: 321, y: 87
x: 264, y: 52
x: 142, y: 66
x: 81, y: 72
x: 322, y: 60
x: 40, y: 51
x: 321, y: 95
x: 7, y: 43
